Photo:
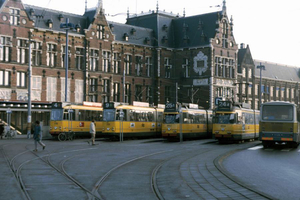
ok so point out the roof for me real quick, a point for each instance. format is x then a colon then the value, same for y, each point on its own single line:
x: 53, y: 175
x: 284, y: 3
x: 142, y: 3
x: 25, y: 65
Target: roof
x: 136, y: 35
x: 195, y: 30
x: 179, y: 32
x: 277, y: 71
x: 43, y: 15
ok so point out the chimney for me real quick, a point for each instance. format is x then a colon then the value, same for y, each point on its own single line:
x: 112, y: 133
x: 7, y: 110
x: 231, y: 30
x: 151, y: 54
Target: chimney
x: 242, y: 46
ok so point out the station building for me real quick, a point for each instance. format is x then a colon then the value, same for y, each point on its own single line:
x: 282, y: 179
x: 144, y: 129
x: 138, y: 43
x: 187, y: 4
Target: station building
x: 154, y: 57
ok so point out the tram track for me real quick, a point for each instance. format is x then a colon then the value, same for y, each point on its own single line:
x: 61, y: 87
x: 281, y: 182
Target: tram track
x: 46, y: 159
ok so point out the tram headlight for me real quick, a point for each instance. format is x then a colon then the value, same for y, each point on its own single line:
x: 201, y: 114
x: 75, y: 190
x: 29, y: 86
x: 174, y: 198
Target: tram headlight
x: 169, y: 129
x: 107, y: 129
x: 55, y: 128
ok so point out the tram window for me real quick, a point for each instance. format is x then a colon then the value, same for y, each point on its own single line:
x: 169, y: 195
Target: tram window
x: 185, y: 118
x: 171, y: 119
x: 131, y: 115
x: 109, y: 115
x: 159, y: 116
x: 150, y: 116
x: 56, y: 114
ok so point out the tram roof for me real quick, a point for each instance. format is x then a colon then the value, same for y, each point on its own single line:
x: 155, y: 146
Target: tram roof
x: 81, y: 107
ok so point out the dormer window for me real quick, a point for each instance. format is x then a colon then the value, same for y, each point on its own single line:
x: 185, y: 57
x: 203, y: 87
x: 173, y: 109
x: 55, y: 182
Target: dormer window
x: 165, y: 27
x: 165, y: 39
x: 111, y: 26
x: 126, y: 37
x: 50, y: 23
x: 133, y: 31
x: 77, y: 27
x: 60, y: 17
x: 31, y: 11
x: 147, y: 40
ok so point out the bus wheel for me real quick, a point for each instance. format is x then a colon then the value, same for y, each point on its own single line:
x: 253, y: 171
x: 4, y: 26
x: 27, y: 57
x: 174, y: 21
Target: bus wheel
x: 62, y: 137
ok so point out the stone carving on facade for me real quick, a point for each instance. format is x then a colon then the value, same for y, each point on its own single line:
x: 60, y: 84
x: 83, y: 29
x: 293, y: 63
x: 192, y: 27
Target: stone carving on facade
x: 200, y: 63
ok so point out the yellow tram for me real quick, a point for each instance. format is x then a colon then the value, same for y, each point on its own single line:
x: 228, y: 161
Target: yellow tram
x: 235, y: 122
x: 189, y: 120
x: 132, y: 121
x: 279, y: 124
x: 67, y: 119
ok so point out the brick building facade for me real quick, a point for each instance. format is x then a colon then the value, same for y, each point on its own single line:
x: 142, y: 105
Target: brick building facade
x: 142, y: 60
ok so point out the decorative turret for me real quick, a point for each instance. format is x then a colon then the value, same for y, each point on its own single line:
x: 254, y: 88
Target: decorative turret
x: 224, y: 8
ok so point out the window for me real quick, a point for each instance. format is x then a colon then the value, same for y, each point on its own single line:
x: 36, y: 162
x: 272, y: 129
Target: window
x: 106, y: 86
x: 138, y: 65
x: 100, y: 32
x: 64, y: 56
x: 5, y: 54
x: 128, y: 64
x: 78, y: 91
x: 22, y: 51
x: 106, y: 61
x: 149, y: 66
x: 186, y: 68
x: 14, y: 16
x: 93, y: 85
x: 36, y: 88
x: 138, y: 93
x: 94, y: 58
x: 79, y: 58
x: 36, y: 53
x: 4, y: 78
x: 168, y: 93
x: 116, y: 63
x: 148, y: 93
x: 127, y: 93
x: 106, y: 90
x: 51, y: 55
x: 168, y: 68
x: 116, y: 91
x: 21, y: 79
x: 63, y: 89
x: 51, y: 88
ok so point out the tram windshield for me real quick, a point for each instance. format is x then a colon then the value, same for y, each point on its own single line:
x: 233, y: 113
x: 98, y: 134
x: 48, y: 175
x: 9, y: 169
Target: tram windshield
x: 171, y: 118
x: 109, y: 115
x: 225, y: 118
x: 56, y: 114
x: 277, y: 113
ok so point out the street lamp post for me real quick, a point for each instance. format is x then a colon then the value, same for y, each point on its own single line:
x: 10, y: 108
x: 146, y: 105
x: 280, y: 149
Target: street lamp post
x: 261, y: 67
x: 29, y: 89
x: 67, y: 26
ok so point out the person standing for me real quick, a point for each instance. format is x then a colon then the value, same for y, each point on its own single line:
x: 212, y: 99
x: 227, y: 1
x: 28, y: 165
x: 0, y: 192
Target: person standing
x: 92, y: 132
x: 37, y: 136
x: 1, y: 128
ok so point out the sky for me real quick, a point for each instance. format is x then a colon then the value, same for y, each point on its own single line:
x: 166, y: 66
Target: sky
x: 270, y: 27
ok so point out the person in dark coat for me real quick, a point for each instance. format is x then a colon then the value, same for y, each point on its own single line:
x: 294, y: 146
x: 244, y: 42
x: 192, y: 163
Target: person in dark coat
x: 1, y: 129
x: 37, y: 136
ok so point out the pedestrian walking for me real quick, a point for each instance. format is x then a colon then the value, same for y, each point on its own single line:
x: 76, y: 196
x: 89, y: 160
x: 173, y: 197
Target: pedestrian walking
x: 92, y: 132
x: 37, y: 136
x: 1, y: 128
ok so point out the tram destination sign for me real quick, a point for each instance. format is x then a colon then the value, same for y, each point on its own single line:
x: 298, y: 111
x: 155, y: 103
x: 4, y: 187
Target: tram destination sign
x: 170, y: 107
x: 56, y: 105
x: 109, y: 105
x: 224, y: 105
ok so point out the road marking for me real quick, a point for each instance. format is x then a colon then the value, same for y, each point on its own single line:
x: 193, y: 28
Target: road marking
x: 256, y: 148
